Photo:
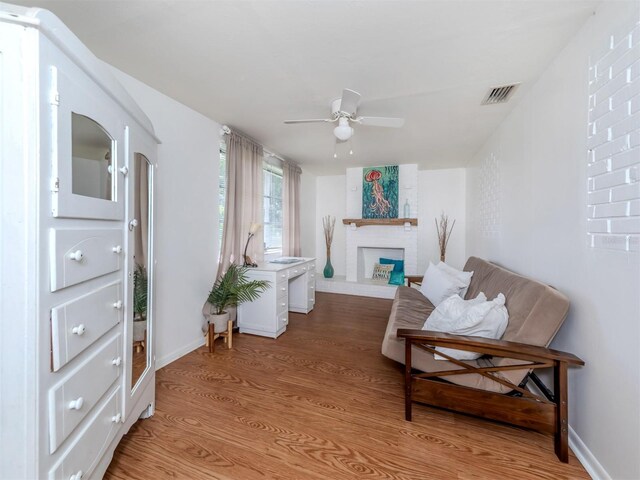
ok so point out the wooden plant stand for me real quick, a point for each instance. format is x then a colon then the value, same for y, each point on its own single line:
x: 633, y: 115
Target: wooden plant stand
x: 212, y: 336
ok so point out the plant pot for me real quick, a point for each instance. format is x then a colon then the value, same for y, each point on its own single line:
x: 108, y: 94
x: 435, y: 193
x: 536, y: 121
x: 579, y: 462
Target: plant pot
x: 219, y: 322
x: 139, y: 330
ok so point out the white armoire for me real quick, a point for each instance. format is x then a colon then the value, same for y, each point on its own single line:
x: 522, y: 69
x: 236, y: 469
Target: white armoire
x: 77, y: 166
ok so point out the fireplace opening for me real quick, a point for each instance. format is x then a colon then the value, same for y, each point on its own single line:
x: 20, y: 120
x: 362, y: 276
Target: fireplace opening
x: 369, y: 256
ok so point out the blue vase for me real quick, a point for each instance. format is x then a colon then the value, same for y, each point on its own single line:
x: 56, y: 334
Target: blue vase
x: 328, y: 268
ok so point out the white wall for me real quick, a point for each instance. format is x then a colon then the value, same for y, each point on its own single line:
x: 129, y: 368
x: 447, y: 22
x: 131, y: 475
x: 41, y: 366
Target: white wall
x: 186, y: 232
x: 331, y: 199
x: 308, y: 214
x: 441, y: 191
x: 438, y: 190
x: 534, y: 196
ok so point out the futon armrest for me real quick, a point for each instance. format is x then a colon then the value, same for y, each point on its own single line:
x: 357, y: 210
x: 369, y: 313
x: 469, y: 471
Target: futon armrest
x: 417, y: 279
x: 497, y: 348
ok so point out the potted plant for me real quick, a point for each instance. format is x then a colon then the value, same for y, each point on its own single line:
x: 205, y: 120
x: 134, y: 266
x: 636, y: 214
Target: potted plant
x: 232, y: 289
x: 139, y: 306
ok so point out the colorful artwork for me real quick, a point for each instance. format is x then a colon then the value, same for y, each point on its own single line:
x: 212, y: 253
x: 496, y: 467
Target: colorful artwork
x: 380, y: 192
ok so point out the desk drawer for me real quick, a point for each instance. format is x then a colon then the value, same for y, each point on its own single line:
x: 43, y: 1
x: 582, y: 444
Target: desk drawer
x: 82, y: 254
x: 72, y: 399
x: 87, y: 450
x: 282, y: 305
x: 296, y: 271
x: 281, y: 289
x: 76, y: 325
x: 283, y: 320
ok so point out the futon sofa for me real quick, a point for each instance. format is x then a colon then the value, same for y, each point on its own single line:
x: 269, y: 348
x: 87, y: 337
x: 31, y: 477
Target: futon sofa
x: 536, y: 312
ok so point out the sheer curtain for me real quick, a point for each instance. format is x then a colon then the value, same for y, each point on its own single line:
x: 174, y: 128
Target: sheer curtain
x: 291, y: 209
x: 243, y: 204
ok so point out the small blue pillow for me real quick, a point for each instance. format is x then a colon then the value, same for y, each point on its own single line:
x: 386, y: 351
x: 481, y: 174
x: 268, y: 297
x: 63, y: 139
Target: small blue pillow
x: 398, y: 265
x: 396, y: 278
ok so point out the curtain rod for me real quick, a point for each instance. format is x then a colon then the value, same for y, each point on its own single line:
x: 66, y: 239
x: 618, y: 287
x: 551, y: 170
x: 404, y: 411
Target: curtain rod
x: 225, y: 130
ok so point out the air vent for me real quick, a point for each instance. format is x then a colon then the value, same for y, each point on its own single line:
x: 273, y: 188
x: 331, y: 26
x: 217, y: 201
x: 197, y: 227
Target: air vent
x: 499, y: 94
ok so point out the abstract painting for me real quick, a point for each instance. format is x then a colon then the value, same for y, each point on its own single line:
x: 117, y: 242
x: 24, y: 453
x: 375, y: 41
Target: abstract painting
x: 380, y: 192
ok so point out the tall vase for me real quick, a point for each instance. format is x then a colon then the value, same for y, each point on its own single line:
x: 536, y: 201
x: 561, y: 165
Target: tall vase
x: 328, y: 268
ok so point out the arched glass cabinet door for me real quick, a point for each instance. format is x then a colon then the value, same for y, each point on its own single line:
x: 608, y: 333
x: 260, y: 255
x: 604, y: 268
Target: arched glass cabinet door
x: 87, y: 139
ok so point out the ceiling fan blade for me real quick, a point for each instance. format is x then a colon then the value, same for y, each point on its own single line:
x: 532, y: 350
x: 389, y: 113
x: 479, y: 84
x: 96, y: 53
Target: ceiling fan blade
x: 381, y: 121
x: 311, y: 120
x: 349, y: 101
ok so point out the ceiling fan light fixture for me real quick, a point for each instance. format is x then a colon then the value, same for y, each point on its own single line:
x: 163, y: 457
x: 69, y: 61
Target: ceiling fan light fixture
x: 343, y: 131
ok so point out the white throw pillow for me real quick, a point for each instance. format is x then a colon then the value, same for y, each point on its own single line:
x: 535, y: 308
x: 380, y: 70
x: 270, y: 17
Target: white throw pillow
x: 438, y: 285
x: 476, y: 317
x: 461, y: 275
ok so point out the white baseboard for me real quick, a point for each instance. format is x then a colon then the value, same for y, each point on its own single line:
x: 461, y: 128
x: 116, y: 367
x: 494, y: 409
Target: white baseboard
x: 176, y: 354
x: 587, y: 459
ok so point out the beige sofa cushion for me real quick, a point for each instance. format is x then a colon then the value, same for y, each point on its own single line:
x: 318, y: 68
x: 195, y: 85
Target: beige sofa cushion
x: 536, y: 312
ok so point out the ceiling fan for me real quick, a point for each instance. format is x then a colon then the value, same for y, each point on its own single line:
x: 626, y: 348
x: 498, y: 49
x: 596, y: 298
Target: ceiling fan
x: 343, y: 111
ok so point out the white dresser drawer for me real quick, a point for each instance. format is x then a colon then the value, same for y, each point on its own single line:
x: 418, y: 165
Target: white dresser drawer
x: 72, y: 399
x: 77, y: 324
x: 87, y: 449
x: 282, y: 276
x: 82, y: 254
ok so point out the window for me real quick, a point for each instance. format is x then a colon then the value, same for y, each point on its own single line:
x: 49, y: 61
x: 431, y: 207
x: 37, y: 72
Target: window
x: 222, y: 192
x: 272, y: 178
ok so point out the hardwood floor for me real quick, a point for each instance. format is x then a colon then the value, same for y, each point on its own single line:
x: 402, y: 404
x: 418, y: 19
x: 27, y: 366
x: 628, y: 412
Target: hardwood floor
x: 320, y: 402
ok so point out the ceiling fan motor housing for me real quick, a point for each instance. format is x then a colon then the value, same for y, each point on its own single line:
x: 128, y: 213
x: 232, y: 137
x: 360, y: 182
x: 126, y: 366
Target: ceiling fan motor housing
x: 335, y: 109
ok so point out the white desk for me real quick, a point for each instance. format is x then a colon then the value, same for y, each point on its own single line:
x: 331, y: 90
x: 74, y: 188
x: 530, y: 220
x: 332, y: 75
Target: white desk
x: 292, y: 289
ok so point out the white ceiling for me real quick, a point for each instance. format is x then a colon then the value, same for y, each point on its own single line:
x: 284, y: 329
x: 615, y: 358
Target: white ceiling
x: 253, y: 64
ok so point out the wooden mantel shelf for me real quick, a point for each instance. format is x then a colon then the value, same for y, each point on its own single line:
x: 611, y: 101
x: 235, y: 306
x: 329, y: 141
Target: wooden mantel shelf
x: 362, y: 222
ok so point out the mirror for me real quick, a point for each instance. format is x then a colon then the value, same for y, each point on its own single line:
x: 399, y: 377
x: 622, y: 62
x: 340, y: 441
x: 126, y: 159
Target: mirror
x: 92, y: 157
x: 141, y: 286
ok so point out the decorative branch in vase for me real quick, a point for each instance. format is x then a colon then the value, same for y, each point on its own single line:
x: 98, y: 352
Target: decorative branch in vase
x: 444, y: 233
x: 328, y: 224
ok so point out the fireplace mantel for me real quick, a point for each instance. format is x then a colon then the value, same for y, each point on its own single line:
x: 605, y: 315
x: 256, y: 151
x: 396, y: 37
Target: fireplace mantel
x: 362, y: 222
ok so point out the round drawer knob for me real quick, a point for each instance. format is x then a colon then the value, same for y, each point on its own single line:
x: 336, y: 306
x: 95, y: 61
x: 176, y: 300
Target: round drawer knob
x: 117, y: 361
x: 118, y: 305
x: 117, y: 249
x: 79, y: 330
x: 77, y: 475
x: 76, y: 404
x: 283, y: 304
x: 116, y: 418
x: 124, y: 170
x: 77, y: 255
x: 284, y: 289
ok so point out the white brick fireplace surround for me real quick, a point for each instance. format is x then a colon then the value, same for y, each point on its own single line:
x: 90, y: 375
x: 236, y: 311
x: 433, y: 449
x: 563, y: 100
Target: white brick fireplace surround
x: 387, y: 238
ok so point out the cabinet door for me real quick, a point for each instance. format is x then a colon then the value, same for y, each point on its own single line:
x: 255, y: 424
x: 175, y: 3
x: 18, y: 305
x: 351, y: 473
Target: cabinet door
x: 140, y: 206
x: 88, y: 149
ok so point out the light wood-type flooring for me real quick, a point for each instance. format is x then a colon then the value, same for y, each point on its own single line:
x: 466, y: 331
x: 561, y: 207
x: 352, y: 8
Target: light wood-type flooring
x: 320, y: 402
